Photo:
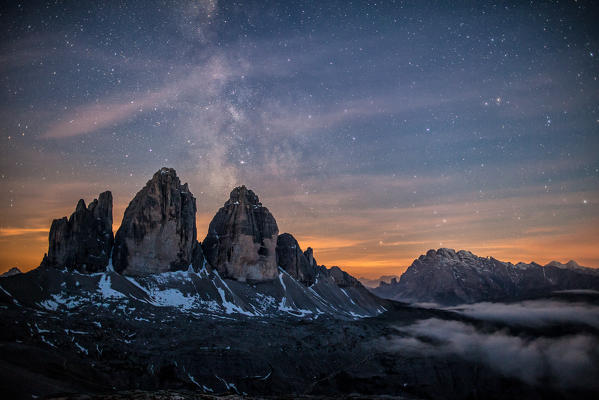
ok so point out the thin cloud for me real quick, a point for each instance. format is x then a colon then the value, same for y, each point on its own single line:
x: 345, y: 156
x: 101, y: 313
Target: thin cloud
x: 206, y: 80
x: 93, y: 117
x: 280, y: 118
x: 8, y: 232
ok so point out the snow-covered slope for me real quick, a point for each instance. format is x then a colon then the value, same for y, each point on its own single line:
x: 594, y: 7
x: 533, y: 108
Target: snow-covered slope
x: 198, y: 293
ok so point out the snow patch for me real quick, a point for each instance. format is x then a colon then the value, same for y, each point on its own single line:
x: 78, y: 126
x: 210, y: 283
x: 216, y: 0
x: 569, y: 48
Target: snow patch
x: 191, y: 378
x: 49, y: 305
x: 5, y: 291
x: 106, y: 289
x: 173, y: 298
x: 228, y: 385
x: 81, y: 348
x: 230, y: 307
x: 47, y: 341
x: 110, y: 267
x: 40, y: 330
x: 281, y: 280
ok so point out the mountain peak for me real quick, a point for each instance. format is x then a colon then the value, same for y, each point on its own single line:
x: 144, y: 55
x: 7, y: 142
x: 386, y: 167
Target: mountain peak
x: 80, y: 206
x: 243, y: 195
x: 449, y: 254
x: 570, y: 264
x: 166, y: 171
x: 554, y: 263
x: 158, y: 231
x: 448, y: 277
x: 291, y: 258
x: 165, y: 176
x: 83, y: 241
x: 241, y: 241
x: 11, y: 272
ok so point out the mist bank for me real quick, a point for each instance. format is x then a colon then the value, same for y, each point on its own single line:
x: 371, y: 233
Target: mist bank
x: 547, y: 343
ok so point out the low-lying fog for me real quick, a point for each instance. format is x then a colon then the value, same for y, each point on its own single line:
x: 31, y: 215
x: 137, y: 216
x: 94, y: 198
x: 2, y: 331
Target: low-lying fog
x: 561, y: 349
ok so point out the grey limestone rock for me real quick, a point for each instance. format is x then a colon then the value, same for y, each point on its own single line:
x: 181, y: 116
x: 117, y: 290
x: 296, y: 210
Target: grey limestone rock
x: 450, y: 277
x: 291, y: 258
x: 242, y: 238
x: 158, y: 232
x: 84, y: 241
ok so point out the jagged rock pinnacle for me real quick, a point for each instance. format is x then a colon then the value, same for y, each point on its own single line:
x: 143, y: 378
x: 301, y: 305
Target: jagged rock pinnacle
x: 82, y: 242
x: 158, y: 232
x: 242, y: 238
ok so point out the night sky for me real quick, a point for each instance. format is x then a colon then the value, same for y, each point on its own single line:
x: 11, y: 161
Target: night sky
x: 373, y: 131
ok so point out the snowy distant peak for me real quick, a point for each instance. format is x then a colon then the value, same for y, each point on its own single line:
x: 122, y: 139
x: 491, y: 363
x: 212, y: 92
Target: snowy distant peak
x: 450, y: 254
x: 449, y: 277
x: 450, y: 257
x: 574, y: 266
x: 372, y: 283
x: 466, y: 258
x: 570, y: 264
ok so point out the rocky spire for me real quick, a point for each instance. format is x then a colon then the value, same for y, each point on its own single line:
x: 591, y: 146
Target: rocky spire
x: 82, y: 242
x: 242, y: 239
x: 309, y: 254
x: 158, y: 232
x: 292, y: 260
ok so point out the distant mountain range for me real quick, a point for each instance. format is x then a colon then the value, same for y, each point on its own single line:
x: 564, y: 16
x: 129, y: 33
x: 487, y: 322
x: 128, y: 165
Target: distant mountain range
x: 372, y: 283
x: 447, y: 277
x: 244, y: 266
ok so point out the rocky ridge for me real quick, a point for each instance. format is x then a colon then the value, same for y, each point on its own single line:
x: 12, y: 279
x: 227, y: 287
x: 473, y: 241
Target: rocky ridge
x: 11, y: 272
x: 84, y: 241
x: 372, y: 283
x: 291, y: 258
x: 447, y: 277
x: 157, y: 259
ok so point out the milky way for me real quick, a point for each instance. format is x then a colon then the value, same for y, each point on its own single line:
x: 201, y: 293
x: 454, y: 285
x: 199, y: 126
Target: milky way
x: 372, y: 130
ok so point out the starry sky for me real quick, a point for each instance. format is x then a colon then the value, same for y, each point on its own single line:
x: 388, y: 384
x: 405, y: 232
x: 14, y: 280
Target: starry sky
x: 372, y: 130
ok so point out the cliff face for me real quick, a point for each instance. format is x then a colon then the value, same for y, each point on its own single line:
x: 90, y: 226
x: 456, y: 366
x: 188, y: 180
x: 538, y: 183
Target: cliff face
x: 291, y: 258
x: 84, y: 241
x: 448, y: 277
x: 242, y: 238
x: 158, y: 232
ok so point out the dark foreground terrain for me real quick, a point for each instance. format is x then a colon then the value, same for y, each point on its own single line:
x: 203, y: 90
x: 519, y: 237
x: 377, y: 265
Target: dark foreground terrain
x: 108, y: 353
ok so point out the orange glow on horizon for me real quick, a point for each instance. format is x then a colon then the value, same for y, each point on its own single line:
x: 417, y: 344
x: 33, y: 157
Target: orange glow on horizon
x: 375, y: 241
x: 24, y: 248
